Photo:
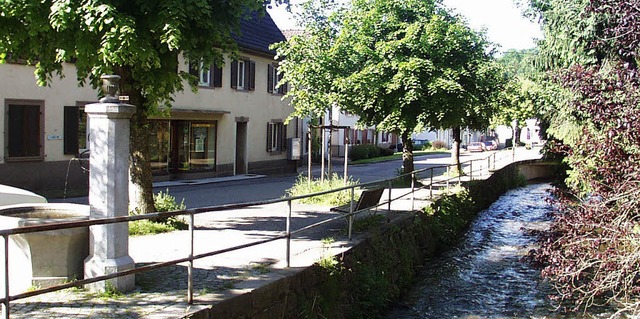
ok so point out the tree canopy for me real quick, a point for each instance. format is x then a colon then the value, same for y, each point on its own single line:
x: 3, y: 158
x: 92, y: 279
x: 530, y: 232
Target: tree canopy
x: 139, y: 40
x: 398, y: 65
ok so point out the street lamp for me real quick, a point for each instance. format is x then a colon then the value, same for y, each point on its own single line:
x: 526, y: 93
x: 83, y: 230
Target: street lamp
x: 514, y: 125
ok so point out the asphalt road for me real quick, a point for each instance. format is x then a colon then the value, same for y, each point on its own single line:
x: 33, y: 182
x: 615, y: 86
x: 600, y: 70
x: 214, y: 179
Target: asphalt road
x: 270, y: 187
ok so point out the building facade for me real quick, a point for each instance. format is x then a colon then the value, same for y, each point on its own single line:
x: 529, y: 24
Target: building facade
x: 233, y: 124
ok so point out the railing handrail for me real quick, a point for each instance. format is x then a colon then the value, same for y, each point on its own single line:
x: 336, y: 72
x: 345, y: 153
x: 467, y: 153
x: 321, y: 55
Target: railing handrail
x: 5, y: 233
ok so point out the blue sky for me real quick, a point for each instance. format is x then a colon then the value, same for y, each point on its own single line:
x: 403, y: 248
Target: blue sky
x: 503, y: 21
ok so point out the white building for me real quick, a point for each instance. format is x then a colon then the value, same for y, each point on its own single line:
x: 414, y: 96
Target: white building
x: 234, y: 124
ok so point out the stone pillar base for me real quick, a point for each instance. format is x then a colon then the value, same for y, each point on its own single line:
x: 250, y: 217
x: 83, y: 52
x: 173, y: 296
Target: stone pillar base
x: 94, y: 267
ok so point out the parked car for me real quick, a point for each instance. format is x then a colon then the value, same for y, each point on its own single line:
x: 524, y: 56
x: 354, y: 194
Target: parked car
x: 490, y: 145
x: 475, y: 147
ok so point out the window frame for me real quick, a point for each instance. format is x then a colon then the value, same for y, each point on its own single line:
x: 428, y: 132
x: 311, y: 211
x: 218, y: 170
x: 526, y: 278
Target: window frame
x: 276, y: 137
x: 273, y: 79
x: 39, y: 135
x: 213, y: 73
x: 243, y: 74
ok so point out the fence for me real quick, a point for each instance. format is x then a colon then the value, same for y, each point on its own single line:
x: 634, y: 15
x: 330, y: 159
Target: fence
x: 439, y: 177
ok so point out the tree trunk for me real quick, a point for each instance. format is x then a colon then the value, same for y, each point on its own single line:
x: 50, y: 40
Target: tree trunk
x: 140, y: 179
x: 407, y: 155
x: 455, y: 151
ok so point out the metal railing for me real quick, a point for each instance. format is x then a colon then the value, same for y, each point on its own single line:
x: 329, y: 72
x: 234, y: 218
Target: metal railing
x: 438, y: 176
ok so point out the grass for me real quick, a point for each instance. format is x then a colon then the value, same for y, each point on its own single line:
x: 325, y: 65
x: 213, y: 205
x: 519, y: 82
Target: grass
x: 303, y: 187
x: 397, y: 156
x: 163, y: 203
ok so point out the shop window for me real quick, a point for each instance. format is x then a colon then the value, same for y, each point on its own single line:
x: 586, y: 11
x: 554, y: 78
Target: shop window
x: 159, y: 143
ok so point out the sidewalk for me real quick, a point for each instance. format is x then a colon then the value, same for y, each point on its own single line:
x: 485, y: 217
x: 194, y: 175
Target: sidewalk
x: 162, y: 293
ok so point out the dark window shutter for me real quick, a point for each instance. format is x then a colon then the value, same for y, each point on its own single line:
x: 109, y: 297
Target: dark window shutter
x: 217, y: 76
x: 269, y: 136
x: 284, y: 137
x: 71, y: 126
x: 234, y: 74
x: 193, y: 69
x: 251, y: 71
x: 270, y: 78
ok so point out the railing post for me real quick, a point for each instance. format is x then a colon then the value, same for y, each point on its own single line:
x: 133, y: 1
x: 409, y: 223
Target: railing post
x: 289, y: 235
x: 350, y: 226
x: 489, y: 165
x: 390, y: 188
x: 413, y: 186
x: 190, y: 269
x: 431, y: 185
x: 6, y: 276
x: 494, y: 161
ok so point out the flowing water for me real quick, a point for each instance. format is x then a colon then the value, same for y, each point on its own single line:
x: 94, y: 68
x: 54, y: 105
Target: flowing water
x: 484, y: 276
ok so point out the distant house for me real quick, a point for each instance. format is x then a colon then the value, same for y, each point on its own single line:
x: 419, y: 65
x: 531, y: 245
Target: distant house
x: 234, y: 124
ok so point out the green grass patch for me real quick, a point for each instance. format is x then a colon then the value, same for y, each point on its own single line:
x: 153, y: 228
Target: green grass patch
x: 163, y: 203
x: 397, y: 156
x: 302, y: 186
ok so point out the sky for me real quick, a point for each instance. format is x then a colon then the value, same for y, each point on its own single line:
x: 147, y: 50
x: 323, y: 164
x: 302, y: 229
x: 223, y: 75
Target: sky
x: 503, y: 20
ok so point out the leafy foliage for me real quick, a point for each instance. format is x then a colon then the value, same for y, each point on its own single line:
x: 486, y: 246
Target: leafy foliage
x: 163, y: 203
x: 397, y: 64
x: 139, y: 40
x: 591, y: 254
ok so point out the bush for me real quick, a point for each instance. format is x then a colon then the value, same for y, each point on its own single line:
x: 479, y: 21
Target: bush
x: 163, y: 203
x: 301, y: 187
x: 426, y: 146
x: 360, y: 152
x: 438, y: 145
x: 386, y: 151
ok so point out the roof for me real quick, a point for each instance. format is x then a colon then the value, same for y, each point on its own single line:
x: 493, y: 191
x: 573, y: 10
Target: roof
x: 258, y: 32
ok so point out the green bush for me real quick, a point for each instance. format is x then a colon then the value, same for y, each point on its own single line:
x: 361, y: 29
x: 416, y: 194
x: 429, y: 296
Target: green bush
x: 163, y: 203
x: 360, y: 152
x: 426, y: 146
x: 385, y: 151
x: 302, y: 187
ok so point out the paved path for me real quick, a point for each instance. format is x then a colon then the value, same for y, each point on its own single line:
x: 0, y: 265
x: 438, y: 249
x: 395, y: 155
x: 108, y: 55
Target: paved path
x: 162, y: 293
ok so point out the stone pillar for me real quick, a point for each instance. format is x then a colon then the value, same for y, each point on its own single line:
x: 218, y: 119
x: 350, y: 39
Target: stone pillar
x: 109, y: 123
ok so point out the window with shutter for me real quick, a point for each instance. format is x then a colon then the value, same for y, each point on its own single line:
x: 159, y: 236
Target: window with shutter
x: 276, y: 137
x: 270, y: 78
x: 243, y: 75
x: 24, y: 137
x: 251, y: 76
x: 71, y: 130
x: 208, y: 76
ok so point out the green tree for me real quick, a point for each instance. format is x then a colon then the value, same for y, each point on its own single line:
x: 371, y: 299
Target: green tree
x: 138, y: 40
x: 399, y: 65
